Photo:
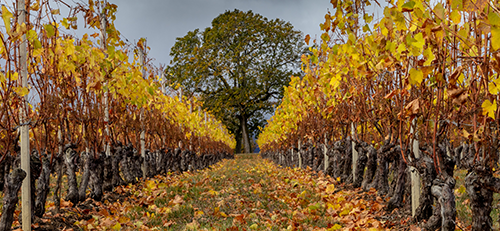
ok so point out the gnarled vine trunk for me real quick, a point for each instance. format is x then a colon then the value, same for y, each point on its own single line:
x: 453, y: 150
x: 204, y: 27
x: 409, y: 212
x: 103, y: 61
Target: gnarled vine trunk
x: 10, y: 198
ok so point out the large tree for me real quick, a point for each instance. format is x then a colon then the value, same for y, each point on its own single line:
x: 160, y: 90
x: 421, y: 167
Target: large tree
x: 238, y: 67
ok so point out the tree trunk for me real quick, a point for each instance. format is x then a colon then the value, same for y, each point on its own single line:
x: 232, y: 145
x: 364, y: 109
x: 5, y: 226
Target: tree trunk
x: 85, y: 176
x: 10, y: 198
x: 371, y: 167
x: 60, y: 173
x: 42, y: 188
x: 96, y: 177
x: 107, y: 173
x: 238, y: 137
x: 117, y: 157
x: 425, y: 167
x: 69, y: 159
x: 6, y: 165
x: 245, y: 135
x: 35, y: 170
x: 396, y: 200
x: 481, y: 199
x: 360, y: 165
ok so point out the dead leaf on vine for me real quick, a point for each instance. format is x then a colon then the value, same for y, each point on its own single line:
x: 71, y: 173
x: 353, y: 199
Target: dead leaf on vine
x: 392, y: 94
x: 412, y: 109
x: 459, y: 95
x: 454, y: 76
x: 495, y: 63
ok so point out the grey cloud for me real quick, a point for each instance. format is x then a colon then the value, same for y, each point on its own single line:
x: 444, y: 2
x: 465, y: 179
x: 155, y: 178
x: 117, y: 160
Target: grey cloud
x: 161, y: 21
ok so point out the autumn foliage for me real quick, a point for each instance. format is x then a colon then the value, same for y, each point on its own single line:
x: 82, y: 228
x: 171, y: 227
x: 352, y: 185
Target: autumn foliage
x: 69, y: 79
x: 416, y: 88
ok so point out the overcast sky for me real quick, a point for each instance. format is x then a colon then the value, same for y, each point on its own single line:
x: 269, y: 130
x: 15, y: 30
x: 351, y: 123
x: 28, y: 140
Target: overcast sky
x: 162, y: 21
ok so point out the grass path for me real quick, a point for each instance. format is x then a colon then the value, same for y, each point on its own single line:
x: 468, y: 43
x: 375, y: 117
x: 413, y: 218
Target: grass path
x: 247, y: 193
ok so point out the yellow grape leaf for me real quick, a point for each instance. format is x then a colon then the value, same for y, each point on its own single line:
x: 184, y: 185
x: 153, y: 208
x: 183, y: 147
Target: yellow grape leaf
x: 439, y: 10
x: 55, y: 11
x: 455, y: 16
x: 65, y: 23
x: 489, y: 108
x: 429, y: 56
x: 117, y: 226
x: 198, y: 213
x: 345, y: 211
x: 475, y: 5
x: 14, y: 76
x: 213, y: 193
x: 495, y: 37
x: 151, y: 184
x: 401, y: 48
x: 50, y: 30
x: 330, y: 188
x: 21, y: 91
x: 6, y: 16
x: 457, y: 4
x: 335, y: 81
x: 494, y: 87
x: 494, y: 19
x: 335, y: 227
x: 420, y: 41
x: 223, y: 214
x: 416, y: 77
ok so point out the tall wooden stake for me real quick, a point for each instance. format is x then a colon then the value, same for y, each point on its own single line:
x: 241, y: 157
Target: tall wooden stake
x: 415, y: 176
x: 23, y: 121
x: 141, y: 118
x: 354, y: 152
x: 163, y: 81
x: 106, y: 94
x: 300, y: 157
x: 325, y: 154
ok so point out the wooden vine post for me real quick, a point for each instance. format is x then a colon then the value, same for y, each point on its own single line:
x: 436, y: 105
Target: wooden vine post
x: 23, y: 121
x: 106, y: 92
x: 325, y: 154
x: 354, y: 152
x: 300, y: 157
x: 415, y: 176
x: 141, y: 118
x: 163, y: 82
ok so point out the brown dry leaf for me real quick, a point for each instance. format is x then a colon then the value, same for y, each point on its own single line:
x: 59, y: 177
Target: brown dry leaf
x: 178, y: 200
x: 413, y: 108
x: 65, y: 204
x: 459, y: 95
x: 392, y: 94
x: 454, y: 76
x: 414, y: 228
x: 107, y: 222
x: 168, y: 223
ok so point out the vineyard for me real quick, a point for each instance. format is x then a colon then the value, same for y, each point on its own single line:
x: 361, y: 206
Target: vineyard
x: 400, y: 104
x: 405, y: 106
x: 99, y: 114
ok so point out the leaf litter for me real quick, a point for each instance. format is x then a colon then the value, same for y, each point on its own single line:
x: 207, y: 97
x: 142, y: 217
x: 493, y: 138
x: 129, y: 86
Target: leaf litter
x: 246, y: 193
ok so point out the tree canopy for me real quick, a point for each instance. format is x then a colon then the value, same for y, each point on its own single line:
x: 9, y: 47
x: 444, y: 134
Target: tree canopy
x: 238, y: 67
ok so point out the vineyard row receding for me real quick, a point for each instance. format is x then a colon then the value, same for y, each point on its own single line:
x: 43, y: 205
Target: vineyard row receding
x: 90, y: 108
x: 411, y: 97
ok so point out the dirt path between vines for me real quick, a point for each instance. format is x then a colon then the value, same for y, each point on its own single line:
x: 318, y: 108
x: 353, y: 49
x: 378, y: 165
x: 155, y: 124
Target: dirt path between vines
x: 247, y: 193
